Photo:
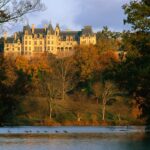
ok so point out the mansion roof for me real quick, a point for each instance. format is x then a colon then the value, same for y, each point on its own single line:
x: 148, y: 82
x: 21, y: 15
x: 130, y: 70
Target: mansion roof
x: 87, y: 31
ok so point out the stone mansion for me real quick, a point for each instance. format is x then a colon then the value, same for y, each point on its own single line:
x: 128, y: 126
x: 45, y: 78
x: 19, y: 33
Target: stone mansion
x: 38, y: 40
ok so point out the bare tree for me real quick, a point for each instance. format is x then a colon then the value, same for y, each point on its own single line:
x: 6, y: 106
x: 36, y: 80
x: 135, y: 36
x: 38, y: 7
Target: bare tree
x: 12, y: 10
x: 108, y: 92
x: 51, y: 85
x: 65, y: 71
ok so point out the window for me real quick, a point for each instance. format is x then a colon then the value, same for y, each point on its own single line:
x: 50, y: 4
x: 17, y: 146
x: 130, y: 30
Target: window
x: 35, y: 42
x: 35, y: 36
x: 48, y: 42
x: 29, y: 42
x: 41, y: 42
x: 18, y: 48
x: 29, y: 48
x: 26, y: 42
x: 52, y: 42
x: 26, y: 32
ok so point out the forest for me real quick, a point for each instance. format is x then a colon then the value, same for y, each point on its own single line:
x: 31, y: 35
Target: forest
x: 104, y: 84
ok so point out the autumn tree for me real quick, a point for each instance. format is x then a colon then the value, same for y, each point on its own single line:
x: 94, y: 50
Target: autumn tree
x: 108, y: 40
x: 90, y: 63
x: 13, y: 86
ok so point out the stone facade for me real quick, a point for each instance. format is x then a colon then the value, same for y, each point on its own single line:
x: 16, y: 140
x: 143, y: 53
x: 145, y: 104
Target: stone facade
x: 38, y: 40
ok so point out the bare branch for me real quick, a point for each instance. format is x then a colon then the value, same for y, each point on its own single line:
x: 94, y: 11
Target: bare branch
x: 12, y: 10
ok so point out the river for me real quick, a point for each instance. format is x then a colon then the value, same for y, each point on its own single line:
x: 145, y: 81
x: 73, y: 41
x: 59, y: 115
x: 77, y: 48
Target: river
x: 74, y: 138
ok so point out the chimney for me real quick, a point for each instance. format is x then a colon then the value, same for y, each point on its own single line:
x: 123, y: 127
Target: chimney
x: 5, y: 35
x: 45, y: 27
x: 15, y: 36
x: 33, y: 28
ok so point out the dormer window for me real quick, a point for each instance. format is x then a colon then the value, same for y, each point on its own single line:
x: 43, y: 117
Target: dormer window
x: 26, y: 32
x: 40, y: 35
x: 35, y: 36
x: 56, y: 33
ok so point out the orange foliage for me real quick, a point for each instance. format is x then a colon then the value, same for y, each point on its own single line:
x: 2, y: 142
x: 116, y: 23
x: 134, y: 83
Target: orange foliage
x: 136, y: 111
x: 89, y: 60
x: 32, y: 65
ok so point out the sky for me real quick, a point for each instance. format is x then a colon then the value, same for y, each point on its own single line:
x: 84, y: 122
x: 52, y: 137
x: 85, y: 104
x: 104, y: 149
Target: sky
x: 74, y: 14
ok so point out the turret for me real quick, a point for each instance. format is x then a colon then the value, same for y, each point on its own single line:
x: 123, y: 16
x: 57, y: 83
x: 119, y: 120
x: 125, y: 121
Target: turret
x: 5, y: 36
x: 15, y: 36
x: 45, y: 27
x: 57, y: 30
x: 33, y: 28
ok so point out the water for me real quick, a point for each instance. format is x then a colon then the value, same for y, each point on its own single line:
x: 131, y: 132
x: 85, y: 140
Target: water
x: 74, y: 138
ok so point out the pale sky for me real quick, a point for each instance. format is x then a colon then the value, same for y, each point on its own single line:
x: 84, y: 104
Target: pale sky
x: 74, y: 14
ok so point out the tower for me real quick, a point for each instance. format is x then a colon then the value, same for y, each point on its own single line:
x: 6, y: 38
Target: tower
x: 57, y: 30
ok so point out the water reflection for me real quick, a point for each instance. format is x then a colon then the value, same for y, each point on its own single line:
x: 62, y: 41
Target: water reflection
x: 74, y: 138
x: 130, y: 141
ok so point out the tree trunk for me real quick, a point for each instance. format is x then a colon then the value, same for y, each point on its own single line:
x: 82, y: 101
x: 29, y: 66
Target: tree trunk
x: 63, y: 90
x: 50, y: 108
x: 78, y: 117
x: 103, y: 110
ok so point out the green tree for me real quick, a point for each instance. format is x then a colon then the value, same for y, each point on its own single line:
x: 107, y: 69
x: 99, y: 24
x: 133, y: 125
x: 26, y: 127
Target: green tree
x: 132, y: 74
x: 138, y: 13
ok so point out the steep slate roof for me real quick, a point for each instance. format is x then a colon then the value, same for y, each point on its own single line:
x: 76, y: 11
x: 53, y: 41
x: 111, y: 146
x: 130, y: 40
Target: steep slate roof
x: 64, y: 34
x: 50, y: 28
x: 87, y: 31
x: 18, y: 37
x: 27, y: 27
x: 10, y: 40
x: 39, y: 31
